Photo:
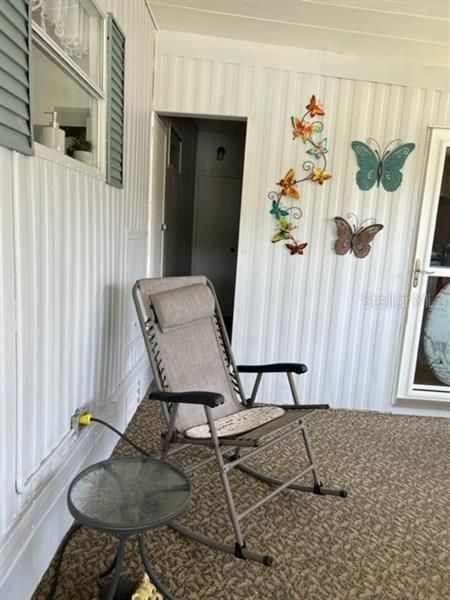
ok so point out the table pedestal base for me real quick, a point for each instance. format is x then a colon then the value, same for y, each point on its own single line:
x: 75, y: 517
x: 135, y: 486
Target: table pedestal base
x: 116, y: 567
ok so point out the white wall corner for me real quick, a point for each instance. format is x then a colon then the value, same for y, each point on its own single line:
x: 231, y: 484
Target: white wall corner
x: 30, y: 545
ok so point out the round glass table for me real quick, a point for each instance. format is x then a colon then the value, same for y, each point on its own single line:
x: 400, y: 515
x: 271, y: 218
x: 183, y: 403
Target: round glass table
x: 127, y: 496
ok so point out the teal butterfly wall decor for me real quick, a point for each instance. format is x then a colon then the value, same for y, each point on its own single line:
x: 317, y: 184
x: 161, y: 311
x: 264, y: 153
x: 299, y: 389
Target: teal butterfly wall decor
x: 278, y: 210
x: 378, y: 167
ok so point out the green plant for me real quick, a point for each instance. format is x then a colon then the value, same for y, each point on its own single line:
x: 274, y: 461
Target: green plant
x: 81, y: 144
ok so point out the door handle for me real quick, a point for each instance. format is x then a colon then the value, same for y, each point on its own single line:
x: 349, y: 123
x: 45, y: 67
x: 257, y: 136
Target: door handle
x: 419, y: 271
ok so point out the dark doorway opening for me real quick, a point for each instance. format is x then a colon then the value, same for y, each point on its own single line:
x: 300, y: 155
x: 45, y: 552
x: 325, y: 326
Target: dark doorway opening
x: 203, y: 186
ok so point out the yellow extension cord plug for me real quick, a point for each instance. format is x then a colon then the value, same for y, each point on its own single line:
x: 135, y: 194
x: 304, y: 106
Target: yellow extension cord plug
x: 85, y: 418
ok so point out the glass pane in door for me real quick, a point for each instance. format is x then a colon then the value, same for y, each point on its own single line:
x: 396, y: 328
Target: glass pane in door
x: 440, y: 255
x: 433, y: 357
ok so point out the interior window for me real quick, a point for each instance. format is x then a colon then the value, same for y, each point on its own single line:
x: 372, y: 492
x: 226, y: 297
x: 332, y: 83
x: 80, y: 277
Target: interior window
x: 58, y: 97
x: 75, y: 26
x: 67, y: 61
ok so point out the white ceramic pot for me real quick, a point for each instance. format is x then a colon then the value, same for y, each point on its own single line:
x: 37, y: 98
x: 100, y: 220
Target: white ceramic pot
x: 83, y: 156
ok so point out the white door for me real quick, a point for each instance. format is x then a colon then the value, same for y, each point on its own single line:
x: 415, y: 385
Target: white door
x: 216, y: 232
x: 157, y: 186
x: 425, y: 362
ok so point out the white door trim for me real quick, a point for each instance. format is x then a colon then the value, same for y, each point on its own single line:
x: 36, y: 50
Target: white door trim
x: 157, y: 187
x: 439, y: 142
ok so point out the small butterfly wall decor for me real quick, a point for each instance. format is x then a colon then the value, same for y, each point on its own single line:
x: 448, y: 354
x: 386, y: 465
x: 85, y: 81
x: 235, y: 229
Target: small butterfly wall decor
x: 278, y: 210
x: 376, y: 166
x: 287, y: 184
x: 355, y: 238
x: 319, y: 149
x: 286, y: 216
x: 314, y: 108
x: 302, y: 129
x: 284, y: 230
x: 307, y: 130
x: 295, y: 248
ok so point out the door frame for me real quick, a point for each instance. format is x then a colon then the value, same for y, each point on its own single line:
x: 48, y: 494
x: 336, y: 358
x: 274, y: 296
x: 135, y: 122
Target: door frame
x: 165, y: 117
x: 406, y: 390
x: 156, y: 230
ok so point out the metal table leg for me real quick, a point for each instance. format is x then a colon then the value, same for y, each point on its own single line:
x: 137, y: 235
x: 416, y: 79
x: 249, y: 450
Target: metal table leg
x: 151, y: 571
x: 110, y: 569
x: 117, y: 565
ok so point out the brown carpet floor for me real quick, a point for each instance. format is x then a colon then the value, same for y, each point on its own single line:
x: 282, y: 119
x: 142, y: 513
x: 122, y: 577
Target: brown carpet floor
x: 388, y: 540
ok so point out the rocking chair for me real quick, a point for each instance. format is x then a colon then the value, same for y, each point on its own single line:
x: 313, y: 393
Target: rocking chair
x: 202, y: 398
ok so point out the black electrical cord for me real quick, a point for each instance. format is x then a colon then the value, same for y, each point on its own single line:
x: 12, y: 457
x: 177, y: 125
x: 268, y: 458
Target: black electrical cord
x: 122, y: 435
x: 61, y: 550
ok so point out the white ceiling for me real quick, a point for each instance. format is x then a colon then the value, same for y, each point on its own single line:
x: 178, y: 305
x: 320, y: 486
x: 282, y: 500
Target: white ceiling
x: 408, y: 30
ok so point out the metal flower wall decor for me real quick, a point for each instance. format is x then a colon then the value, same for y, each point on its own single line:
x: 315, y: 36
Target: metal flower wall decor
x: 287, y: 217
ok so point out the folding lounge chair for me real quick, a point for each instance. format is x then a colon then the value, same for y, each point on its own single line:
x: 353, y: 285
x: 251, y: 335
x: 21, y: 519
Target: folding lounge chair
x: 202, y: 398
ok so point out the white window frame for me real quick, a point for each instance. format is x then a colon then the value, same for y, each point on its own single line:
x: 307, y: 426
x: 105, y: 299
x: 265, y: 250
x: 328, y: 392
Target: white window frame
x: 53, y: 51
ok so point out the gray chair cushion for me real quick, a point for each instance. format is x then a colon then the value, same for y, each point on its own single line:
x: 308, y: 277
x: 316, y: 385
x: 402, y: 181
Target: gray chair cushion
x: 237, y: 423
x: 182, y: 306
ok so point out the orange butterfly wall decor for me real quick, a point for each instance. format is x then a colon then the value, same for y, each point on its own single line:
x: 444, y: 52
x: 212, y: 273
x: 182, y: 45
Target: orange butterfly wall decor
x: 287, y: 183
x: 314, y: 108
x: 296, y: 248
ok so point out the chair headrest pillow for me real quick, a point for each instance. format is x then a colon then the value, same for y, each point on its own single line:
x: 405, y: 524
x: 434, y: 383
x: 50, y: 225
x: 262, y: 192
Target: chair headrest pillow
x: 183, y: 305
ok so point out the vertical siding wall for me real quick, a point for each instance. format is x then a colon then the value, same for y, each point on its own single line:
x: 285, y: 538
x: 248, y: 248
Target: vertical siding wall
x: 7, y: 339
x: 70, y: 248
x: 311, y: 308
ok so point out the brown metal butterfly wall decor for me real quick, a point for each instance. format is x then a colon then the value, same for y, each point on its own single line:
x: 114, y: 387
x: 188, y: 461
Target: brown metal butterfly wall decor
x: 355, y: 237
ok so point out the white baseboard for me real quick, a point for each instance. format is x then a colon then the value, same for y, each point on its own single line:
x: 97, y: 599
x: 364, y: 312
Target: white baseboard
x: 30, y: 545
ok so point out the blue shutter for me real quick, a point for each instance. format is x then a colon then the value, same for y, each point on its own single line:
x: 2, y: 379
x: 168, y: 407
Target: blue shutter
x: 15, y: 49
x: 116, y: 99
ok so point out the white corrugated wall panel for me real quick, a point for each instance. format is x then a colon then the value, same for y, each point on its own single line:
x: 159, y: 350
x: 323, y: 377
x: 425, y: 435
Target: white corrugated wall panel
x: 64, y: 287
x: 66, y: 300
x: 312, y: 308
x: 7, y: 341
x: 140, y: 57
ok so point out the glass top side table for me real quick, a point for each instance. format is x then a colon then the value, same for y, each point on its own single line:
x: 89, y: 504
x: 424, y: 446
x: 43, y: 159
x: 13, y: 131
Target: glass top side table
x: 127, y: 496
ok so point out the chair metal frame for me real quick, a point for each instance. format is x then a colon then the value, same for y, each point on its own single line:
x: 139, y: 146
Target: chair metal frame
x: 230, y: 453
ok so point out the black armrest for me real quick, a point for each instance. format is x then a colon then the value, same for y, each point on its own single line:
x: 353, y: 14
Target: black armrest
x: 274, y: 368
x: 210, y: 399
